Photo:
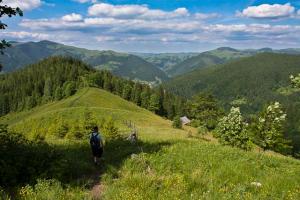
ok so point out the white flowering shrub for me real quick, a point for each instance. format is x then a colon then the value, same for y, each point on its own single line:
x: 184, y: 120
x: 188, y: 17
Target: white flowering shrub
x: 295, y: 80
x: 232, y: 130
x: 269, y: 131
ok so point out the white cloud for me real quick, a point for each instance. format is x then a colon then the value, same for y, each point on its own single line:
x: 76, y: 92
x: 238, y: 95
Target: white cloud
x: 25, y: 35
x: 268, y: 11
x: 23, y: 4
x: 72, y: 17
x: 133, y: 11
x: 203, y: 16
x: 86, y: 1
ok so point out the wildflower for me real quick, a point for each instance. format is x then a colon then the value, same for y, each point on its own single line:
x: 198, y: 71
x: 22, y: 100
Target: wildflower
x: 256, y: 184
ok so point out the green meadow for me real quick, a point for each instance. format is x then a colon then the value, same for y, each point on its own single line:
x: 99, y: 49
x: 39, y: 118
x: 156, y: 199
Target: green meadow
x: 166, y: 163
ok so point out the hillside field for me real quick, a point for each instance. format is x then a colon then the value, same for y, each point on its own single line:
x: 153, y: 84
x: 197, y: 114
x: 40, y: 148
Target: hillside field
x: 167, y: 163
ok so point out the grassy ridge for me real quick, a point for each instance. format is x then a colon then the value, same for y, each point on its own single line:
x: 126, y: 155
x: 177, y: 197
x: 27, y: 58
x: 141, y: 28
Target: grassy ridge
x: 165, y: 164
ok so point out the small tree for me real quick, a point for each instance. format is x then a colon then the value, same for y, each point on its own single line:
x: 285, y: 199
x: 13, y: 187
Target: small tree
x: 154, y: 103
x: 232, y: 130
x: 177, y: 122
x: 295, y: 81
x: 269, y: 129
x: 110, y: 131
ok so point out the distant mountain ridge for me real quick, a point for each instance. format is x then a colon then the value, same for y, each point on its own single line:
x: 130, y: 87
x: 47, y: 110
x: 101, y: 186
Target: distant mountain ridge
x: 121, y: 64
x: 219, y: 56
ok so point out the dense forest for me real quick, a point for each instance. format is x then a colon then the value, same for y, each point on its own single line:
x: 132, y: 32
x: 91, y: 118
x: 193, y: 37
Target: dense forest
x: 59, y: 77
x: 249, y: 83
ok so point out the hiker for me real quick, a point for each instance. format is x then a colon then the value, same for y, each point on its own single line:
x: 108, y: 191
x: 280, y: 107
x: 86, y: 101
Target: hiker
x: 96, y: 144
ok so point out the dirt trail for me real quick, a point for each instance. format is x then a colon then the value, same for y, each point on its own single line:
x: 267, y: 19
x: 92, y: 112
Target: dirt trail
x: 96, y: 186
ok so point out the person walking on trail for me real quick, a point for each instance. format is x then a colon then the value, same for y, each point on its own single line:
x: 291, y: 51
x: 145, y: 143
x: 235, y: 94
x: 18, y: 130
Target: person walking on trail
x: 96, y: 142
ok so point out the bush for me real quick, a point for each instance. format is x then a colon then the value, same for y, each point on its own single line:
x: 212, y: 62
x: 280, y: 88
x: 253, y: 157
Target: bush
x: 177, y: 122
x: 21, y: 160
x: 269, y: 129
x: 110, y: 131
x: 202, y: 130
x: 51, y: 189
x: 232, y: 130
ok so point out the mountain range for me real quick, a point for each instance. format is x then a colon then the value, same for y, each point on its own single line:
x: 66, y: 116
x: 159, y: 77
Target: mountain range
x: 121, y: 64
x: 219, y: 56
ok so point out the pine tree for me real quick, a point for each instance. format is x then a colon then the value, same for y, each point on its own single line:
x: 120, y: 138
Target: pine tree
x: 177, y: 122
x: 154, y: 103
x: 58, y: 94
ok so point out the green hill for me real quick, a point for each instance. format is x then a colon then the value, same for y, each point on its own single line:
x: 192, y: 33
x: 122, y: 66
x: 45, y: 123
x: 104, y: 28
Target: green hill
x: 167, y: 163
x: 121, y: 64
x: 219, y: 56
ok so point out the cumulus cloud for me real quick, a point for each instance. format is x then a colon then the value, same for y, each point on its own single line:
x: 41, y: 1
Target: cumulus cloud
x: 138, y: 26
x: 25, y: 35
x: 265, y: 11
x: 72, y: 17
x: 133, y: 11
x: 24, y: 4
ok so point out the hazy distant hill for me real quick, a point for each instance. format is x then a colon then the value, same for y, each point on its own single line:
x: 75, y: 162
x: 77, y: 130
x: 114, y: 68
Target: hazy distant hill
x: 125, y: 65
x: 219, y: 56
x: 165, y: 61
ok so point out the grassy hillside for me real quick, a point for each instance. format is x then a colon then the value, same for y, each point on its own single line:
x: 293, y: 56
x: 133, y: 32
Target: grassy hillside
x: 129, y: 66
x: 167, y: 163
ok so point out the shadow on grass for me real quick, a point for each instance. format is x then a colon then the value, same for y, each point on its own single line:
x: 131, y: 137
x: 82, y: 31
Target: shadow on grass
x: 76, y: 163
x: 23, y: 162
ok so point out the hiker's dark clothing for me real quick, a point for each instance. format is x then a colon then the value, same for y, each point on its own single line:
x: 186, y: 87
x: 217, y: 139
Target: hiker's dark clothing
x: 95, y: 141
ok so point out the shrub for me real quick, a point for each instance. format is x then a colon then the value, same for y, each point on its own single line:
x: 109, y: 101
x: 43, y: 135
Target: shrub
x: 202, y: 130
x: 269, y: 129
x: 232, y: 130
x: 177, y: 122
x: 50, y: 189
x: 295, y: 80
x: 21, y: 160
x: 110, y: 131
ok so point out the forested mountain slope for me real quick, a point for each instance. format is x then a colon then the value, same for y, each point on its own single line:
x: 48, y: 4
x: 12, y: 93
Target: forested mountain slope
x: 125, y: 65
x: 251, y: 82
x: 219, y: 56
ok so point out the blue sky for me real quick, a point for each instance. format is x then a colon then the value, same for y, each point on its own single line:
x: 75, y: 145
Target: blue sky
x: 158, y: 25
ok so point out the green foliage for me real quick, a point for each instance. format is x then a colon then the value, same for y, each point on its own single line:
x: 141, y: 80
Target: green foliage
x: 51, y: 189
x: 232, y: 130
x: 177, y: 122
x: 154, y: 103
x: 21, y: 160
x: 255, y: 79
x: 59, y: 128
x: 7, y: 11
x: 110, y: 131
x: 204, y: 110
x: 202, y: 130
x: 40, y: 83
x: 269, y: 129
x: 295, y: 81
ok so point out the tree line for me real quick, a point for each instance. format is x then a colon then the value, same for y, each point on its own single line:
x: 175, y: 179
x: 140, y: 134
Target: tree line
x: 56, y: 78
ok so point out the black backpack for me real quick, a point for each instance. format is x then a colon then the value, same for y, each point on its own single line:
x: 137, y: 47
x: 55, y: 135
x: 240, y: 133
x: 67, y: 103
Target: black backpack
x: 94, y: 141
